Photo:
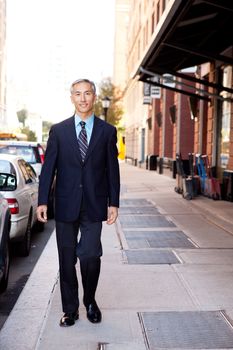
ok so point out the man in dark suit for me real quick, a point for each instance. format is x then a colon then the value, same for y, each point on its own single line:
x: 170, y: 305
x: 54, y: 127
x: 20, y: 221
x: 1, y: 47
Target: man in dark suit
x: 82, y: 153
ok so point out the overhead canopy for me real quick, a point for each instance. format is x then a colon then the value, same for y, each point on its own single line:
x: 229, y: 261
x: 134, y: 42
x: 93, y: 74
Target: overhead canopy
x: 193, y: 33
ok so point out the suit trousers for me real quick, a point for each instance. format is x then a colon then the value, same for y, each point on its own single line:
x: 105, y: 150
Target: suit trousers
x: 81, y: 239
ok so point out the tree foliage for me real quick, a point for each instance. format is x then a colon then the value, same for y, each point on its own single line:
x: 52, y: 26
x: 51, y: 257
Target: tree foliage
x: 30, y: 134
x: 115, y: 111
x: 46, y: 126
x: 22, y: 116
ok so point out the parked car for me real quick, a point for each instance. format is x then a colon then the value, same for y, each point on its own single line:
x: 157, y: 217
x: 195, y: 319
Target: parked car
x: 19, y: 185
x: 33, y: 153
x: 5, y: 223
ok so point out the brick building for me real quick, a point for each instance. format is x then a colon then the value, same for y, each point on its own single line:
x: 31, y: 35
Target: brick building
x: 184, y: 49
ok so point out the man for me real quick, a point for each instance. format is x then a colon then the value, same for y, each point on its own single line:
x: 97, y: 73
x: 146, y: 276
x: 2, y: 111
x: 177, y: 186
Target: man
x: 82, y: 152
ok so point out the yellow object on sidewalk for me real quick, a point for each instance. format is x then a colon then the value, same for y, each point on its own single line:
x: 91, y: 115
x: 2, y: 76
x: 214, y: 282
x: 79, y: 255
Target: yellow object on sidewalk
x: 121, y: 147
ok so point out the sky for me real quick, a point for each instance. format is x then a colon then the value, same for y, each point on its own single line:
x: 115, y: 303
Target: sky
x: 51, y: 43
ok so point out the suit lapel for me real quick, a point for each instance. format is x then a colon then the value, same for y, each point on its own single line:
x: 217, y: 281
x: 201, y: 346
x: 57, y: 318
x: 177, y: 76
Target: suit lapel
x: 95, y: 136
x: 70, y: 134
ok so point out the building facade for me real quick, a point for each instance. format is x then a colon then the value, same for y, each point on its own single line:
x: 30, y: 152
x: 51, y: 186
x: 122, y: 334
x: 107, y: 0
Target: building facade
x: 122, y: 8
x: 3, y: 62
x: 178, y: 90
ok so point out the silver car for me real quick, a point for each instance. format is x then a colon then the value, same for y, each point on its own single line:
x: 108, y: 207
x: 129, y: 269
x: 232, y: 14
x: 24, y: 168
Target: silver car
x: 19, y: 185
x: 5, y: 223
x: 32, y: 152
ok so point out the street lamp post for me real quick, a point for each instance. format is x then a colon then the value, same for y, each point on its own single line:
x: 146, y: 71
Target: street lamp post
x: 105, y: 105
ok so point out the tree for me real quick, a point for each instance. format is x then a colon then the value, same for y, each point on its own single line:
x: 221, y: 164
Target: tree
x: 46, y: 125
x: 22, y: 116
x: 115, y: 110
x: 30, y: 134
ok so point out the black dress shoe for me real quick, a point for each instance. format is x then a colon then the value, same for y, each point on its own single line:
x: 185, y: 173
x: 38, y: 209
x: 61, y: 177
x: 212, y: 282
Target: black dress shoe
x: 68, y: 319
x: 93, y: 313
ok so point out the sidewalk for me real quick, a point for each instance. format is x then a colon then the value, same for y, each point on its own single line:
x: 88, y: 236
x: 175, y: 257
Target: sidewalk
x: 166, y: 280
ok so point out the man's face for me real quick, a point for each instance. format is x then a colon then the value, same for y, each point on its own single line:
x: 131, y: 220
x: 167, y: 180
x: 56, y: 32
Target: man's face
x: 83, y: 98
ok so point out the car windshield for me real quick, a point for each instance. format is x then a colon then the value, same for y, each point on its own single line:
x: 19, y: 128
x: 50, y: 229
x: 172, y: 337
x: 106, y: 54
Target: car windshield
x: 7, y: 167
x: 24, y: 151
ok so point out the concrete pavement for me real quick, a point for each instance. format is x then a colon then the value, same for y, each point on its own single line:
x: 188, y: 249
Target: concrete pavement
x: 166, y: 280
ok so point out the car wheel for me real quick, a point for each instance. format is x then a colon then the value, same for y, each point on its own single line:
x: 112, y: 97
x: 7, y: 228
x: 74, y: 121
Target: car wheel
x: 25, y: 245
x: 4, y: 280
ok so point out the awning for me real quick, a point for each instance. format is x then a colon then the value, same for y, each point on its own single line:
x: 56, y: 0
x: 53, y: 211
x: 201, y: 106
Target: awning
x: 193, y: 33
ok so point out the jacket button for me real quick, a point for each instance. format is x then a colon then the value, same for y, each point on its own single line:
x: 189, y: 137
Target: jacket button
x: 81, y: 185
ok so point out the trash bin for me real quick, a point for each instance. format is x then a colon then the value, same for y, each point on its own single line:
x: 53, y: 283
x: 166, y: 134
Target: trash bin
x: 174, y: 170
x: 147, y: 161
x: 186, y: 166
x: 227, y: 186
x: 160, y: 163
x: 152, y: 162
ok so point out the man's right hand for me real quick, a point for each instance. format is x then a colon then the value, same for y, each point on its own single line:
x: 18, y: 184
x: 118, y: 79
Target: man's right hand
x: 41, y: 213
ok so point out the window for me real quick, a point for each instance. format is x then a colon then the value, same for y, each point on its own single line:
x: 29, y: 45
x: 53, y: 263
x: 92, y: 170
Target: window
x: 26, y: 152
x: 158, y: 13
x: 144, y: 38
x: 31, y: 172
x: 7, y: 167
x: 163, y: 5
x: 139, y: 15
x: 224, y: 121
x: 159, y: 119
x: 23, y: 168
x: 139, y: 48
x: 152, y: 23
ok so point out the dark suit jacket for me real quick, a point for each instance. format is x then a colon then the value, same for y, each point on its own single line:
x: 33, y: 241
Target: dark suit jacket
x: 96, y: 180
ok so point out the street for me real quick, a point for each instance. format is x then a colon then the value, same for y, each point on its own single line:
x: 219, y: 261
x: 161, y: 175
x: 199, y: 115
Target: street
x: 21, y: 269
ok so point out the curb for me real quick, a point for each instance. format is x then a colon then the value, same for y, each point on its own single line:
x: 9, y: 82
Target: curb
x: 24, y: 326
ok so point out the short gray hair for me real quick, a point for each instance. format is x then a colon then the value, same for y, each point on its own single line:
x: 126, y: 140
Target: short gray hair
x: 83, y: 81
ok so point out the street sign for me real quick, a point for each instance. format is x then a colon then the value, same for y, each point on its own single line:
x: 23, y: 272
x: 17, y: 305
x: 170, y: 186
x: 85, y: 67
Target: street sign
x: 168, y: 80
x: 155, y: 91
x: 146, y: 100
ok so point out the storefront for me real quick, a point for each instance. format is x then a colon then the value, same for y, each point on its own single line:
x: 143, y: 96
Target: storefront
x: 196, y: 33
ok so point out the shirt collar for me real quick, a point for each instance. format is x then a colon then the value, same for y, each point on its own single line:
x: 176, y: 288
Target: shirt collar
x: 88, y: 121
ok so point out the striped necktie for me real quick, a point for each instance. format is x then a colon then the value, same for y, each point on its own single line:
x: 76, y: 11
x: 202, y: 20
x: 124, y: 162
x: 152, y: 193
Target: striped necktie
x: 82, y: 140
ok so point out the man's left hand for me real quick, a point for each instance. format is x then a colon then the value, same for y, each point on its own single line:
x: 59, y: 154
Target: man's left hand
x: 112, y: 215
